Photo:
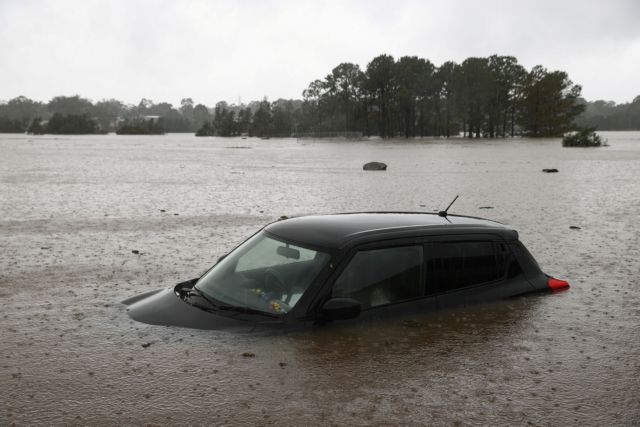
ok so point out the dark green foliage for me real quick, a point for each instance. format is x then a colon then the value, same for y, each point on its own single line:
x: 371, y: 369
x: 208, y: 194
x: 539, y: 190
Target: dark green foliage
x: 482, y: 97
x: 224, y: 120
x: 36, y: 127
x: 549, y: 103
x: 262, y: 123
x: 245, y: 117
x: 16, y: 114
x: 107, y: 112
x: 173, y: 121
x: 609, y: 116
x: 70, y: 105
x: 207, y: 129
x: 8, y: 125
x: 141, y: 127
x: 200, y: 115
x: 380, y: 85
x: 71, y: 124
x: 586, y: 137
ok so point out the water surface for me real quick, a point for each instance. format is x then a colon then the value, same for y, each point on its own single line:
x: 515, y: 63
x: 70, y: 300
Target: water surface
x: 73, y: 208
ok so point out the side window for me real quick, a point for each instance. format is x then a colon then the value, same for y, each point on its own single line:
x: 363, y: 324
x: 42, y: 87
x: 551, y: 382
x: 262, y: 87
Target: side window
x: 454, y: 265
x: 382, y: 276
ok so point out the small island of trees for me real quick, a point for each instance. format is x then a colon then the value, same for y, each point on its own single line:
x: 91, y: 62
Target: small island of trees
x: 408, y: 97
x: 141, y: 126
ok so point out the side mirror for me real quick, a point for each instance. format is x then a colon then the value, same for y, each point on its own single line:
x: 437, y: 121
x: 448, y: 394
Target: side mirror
x: 341, y: 309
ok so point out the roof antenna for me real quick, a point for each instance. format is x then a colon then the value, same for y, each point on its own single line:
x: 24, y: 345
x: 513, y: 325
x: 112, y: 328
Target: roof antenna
x: 444, y: 212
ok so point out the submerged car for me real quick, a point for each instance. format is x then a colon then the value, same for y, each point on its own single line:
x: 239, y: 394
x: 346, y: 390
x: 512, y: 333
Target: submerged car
x: 314, y: 270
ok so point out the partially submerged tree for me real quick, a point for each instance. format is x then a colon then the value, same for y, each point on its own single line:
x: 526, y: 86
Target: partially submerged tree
x: 586, y: 137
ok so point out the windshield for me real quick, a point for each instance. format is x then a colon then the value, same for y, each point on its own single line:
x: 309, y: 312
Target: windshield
x: 263, y: 274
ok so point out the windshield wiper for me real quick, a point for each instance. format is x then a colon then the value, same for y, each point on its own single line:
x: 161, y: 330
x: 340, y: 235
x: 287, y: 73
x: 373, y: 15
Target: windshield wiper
x: 212, y: 306
x: 193, y: 292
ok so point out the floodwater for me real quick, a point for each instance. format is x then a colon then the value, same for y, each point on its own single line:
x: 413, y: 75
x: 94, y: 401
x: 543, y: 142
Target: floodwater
x: 72, y: 209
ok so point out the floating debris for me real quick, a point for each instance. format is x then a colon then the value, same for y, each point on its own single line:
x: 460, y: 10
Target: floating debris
x: 575, y: 227
x: 485, y: 207
x: 147, y: 344
x: 135, y: 251
x: 552, y: 170
x: 248, y: 354
x: 374, y: 166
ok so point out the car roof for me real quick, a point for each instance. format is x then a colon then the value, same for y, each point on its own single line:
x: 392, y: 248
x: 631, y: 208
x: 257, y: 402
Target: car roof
x: 337, y: 230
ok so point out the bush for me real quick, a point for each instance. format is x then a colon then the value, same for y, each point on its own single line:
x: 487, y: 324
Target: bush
x: 207, y: 129
x: 586, y: 137
x: 71, y: 124
x: 11, y: 125
x: 141, y: 127
x: 36, y: 127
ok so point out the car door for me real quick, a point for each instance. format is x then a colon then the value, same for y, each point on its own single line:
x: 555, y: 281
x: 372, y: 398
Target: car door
x: 387, y: 278
x: 468, y: 269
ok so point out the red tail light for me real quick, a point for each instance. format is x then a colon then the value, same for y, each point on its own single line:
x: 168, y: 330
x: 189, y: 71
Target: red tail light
x: 556, y: 284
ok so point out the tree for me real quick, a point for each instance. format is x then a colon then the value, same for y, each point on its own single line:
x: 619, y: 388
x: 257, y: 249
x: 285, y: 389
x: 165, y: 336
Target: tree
x: 107, y: 113
x: 474, y: 88
x: 224, y: 120
x: 414, y: 94
x: 66, y: 105
x: 312, y: 118
x: 141, y: 126
x: 282, y: 117
x: 342, y: 90
x: 245, y: 117
x: 71, y: 124
x: 380, y: 85
x: 262, y: 125
x: 201, y: 115
x: 187, y: 109
x: 36, y: 128
x: 447, y: 77
x: 607, y: 115
x: 550, y: 103
x: 173, y: 121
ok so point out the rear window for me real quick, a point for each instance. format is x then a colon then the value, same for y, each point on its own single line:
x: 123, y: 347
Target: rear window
x: 454, y: 265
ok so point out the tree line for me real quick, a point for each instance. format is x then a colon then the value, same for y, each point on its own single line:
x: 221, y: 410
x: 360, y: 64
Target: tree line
x: 489, y: 97
x: 607, y: 115
x: 409, y: 97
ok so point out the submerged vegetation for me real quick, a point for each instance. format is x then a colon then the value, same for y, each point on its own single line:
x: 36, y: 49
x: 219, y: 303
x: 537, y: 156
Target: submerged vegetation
x: 586, y: 137
x: 72, y: 124
x: 408, y: 96
x: 64, y: 124
x: 141, y: 127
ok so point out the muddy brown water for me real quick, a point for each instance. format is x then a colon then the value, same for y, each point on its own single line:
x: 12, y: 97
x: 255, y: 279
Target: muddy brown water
x: 72, y: 209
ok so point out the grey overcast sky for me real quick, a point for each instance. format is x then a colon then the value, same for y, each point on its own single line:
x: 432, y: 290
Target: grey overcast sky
x: 226, y: 50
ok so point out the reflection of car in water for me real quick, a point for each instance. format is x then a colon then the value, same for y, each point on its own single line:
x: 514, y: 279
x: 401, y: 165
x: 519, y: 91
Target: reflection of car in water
x: 331, y: 268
